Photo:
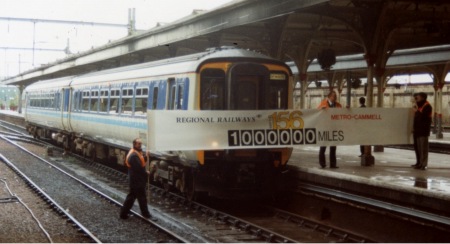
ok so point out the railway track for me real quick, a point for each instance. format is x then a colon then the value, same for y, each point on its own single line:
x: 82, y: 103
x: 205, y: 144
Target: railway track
x: 193, y: 217
x: 92, y: 210
x: 228, y: 228
x: 379, y: 220
x: 176, y: 211
x: 384, y: 208
x: 51, y: 202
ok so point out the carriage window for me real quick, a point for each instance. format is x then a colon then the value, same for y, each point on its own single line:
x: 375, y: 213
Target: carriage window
x: 180, y: 96
x: 155, y: 98
x: 51, y: 101
x: 103, y: 104
x: 114, y: 101
x: 141, y: 101
x: 172, y: 88
x: 47, y: 101
x: 212, y: 89
x: 75, y: 99
x: 57, y: 101
x: 127, y: 101
x: 94, y: 101
x: 172, y: 97
x: 85, y: 101
x: 78, y: 102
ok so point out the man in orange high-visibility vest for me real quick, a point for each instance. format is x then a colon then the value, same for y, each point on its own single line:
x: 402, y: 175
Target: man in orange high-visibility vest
x: 329, y: 102
x: 421, y: 129
x: 135, y: 161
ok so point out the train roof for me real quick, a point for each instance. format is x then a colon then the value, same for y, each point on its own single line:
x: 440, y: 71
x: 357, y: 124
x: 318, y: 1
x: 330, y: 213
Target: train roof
x: 50, y: 84
x: 182, y: 64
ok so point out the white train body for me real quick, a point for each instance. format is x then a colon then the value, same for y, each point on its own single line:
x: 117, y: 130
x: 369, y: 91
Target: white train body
x: 100, y: 113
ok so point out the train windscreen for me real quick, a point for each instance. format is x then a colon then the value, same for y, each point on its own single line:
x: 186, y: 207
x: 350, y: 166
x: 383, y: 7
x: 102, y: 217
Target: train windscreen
x: 247, y: 86
x: 246, y: 94
x: 254, y: 86
x: 212, y: 89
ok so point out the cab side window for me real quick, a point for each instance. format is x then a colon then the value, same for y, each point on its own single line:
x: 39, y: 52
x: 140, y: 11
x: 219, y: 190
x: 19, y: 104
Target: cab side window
x: 212, y: 89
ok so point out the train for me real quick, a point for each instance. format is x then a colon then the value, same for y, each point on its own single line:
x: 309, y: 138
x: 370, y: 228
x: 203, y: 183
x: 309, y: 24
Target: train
x: 98, y: 114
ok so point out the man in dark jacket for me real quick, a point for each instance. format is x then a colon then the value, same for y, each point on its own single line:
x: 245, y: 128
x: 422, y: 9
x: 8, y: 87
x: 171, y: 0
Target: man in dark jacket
x: 136, y: 161
x: 421, y: 130
x: 362, y: 104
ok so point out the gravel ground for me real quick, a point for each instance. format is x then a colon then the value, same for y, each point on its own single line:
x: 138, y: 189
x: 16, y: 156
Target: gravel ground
x: 94, y: 213
x: 17, y: 224
x: 198, y: 226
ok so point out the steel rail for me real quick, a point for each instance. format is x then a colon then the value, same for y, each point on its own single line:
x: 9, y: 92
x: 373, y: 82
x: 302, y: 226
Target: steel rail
x: 101, y: 194
x: 437, y: 220
x: 49, y: 238
x: 50, y: 201
x: 2, y: 122
x: 259, y: 231
x: 344, y: 236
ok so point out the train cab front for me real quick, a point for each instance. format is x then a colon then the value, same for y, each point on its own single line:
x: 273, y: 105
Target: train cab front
x: 243, y: 85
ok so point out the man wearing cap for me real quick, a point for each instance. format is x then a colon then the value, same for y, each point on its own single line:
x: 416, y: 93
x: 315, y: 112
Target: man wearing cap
x: 421, y: 129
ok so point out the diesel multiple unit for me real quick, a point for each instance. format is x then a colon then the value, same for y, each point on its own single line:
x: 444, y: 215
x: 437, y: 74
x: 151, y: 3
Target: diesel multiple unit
x: 98, y: 115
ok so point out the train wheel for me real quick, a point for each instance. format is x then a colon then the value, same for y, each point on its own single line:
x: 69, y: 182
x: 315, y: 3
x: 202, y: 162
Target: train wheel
x: 167, y: 187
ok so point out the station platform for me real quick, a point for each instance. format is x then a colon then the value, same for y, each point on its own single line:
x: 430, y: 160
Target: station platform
x: 12, y: 117
x: 11, y: 113
x: 391, y: 177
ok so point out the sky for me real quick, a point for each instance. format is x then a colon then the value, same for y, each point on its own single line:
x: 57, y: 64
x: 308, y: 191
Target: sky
x: 80, y: 37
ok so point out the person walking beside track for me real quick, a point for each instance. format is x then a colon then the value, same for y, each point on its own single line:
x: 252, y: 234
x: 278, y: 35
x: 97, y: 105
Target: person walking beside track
x: 136, y: 162
x: 421, y: 129
x: 329, y: 102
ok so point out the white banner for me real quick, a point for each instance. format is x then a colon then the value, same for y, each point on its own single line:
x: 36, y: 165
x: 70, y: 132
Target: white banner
x: 209, y: 130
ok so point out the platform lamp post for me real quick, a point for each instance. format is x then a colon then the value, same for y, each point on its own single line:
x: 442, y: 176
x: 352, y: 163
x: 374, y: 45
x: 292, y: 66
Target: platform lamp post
x: 349, y: 88
x: 367, y: 159
x: 327, y: 58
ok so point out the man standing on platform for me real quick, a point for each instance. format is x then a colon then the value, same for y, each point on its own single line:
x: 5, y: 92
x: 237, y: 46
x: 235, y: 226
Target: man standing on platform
x: 135, y: 161
x: 329, y: 102
x: 421, y: 130
x: 362, y: 104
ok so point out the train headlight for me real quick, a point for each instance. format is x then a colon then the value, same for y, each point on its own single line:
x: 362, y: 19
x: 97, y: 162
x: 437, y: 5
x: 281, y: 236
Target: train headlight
x: 214, y: 144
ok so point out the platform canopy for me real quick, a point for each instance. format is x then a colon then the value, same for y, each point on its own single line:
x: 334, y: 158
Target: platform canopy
x: 290, y: 30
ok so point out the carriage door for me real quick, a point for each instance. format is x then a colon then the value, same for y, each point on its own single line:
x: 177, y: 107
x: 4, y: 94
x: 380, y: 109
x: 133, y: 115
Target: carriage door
x: 65, y: 111
x: 246, y: 86
x: 175, y: 94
